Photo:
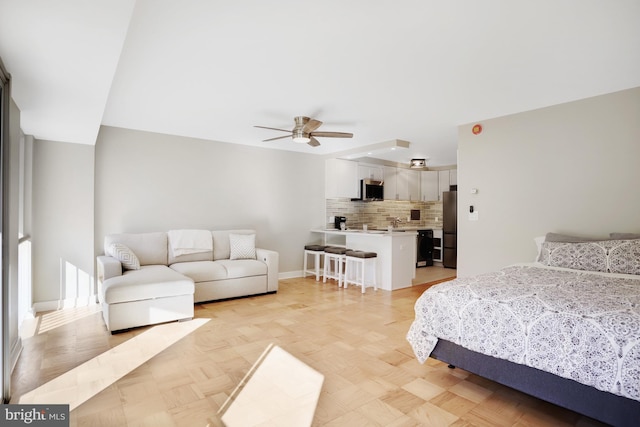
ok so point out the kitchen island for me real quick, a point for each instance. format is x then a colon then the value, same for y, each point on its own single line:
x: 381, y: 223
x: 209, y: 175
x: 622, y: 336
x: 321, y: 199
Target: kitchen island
x: 396, y: 249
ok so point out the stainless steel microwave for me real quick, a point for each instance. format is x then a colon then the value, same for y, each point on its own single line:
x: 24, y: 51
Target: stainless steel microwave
x: 371, y: 189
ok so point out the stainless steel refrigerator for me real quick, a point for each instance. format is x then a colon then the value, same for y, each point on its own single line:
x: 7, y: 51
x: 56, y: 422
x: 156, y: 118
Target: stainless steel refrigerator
x: 449, y: 228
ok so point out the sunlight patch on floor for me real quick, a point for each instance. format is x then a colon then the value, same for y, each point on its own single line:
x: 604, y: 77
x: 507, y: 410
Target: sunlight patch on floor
x: 45, y: 322
x: 85, y: 381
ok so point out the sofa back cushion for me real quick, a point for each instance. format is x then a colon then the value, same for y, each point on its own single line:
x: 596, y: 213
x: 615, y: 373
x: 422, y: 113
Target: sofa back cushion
x: 221, y: 247
x: 150, y: 248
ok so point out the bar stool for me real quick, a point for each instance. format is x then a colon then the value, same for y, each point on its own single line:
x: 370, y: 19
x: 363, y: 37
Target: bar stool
x: 316, y: 251
x: 334, y: 257
x: 356, y: 266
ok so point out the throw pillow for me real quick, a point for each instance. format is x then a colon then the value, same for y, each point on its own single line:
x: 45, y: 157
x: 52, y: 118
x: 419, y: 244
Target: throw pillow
x: 611, y: 256
x: 242, y: 246
x: 625, y: 257
x: 125, y: 255
x: 590, y: 256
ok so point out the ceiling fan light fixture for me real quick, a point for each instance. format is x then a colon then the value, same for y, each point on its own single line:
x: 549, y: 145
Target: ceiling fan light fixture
x: 301, y: 137
x: 304, y: 132
x: 418, y: 163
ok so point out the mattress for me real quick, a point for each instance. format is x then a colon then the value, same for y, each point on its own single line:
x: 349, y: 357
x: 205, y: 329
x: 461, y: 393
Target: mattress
x: 580, y: 325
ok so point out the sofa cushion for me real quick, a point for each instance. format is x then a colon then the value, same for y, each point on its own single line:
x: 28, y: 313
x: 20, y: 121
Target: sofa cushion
x: 207, y: 271
x: 152, y: 281
x: 221, y: 246
x: 242, y: 246
x: 125, y: 255
x: 201, y: 271
x: 243, y: 268
x: 150, y: 248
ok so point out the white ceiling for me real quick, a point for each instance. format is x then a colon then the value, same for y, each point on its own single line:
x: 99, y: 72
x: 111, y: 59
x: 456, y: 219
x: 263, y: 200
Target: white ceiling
x: 406, y: 69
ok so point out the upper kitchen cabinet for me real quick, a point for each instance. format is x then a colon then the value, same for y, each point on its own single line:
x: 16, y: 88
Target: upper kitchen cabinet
x: 413, y: 185
x: 446, y: 178
x: 401, y: 184
x: 453, y: 177
x: 390, y: 183
x: 341, y: 179
x: 429, y: 186
x: 443, y: 183
x: 373, y: 172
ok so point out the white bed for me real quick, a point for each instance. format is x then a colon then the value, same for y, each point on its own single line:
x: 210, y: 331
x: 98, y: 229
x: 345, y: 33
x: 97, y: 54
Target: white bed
x: 575, y: 323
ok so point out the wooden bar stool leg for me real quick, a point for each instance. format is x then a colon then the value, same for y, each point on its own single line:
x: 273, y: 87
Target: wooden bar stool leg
x: 356, y: 265
x: 304, y: 266
x: 317, y: 251
x: 317, y: 261
x: 348, y: 272
x: 329, y: 267
x: 375, y: 279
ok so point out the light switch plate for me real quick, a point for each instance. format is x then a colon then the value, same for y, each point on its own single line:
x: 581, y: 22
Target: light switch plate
x: 473, y: 216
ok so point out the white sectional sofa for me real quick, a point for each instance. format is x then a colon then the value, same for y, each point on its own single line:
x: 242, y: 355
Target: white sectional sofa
x: 149, y: 278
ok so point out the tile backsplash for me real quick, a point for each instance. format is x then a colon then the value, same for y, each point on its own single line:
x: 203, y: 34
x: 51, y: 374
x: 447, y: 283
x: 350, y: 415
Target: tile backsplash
x: 379, y: 214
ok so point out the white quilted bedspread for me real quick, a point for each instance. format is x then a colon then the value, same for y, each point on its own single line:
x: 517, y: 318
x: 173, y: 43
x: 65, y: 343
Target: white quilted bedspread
x: 576, y: 324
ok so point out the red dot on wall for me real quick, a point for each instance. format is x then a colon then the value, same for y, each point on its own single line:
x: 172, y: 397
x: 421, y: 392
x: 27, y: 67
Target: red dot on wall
x: 476, y: 129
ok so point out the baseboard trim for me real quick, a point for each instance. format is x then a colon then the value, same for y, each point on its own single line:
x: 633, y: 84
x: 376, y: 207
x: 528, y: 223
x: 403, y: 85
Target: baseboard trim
x: 290, y: 274
x: 41, y: 306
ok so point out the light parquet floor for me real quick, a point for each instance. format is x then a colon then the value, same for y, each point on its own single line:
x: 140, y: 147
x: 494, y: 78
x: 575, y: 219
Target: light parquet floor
x: 357, y: 341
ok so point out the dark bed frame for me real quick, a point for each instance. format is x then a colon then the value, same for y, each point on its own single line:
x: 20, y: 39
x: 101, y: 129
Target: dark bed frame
x: 602, y: 406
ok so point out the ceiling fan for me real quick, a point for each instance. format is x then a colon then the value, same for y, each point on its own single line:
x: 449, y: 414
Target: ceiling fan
x: 305, y: 132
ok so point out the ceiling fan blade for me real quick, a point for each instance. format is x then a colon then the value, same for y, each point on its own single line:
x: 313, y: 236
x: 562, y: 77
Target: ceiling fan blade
x: 313, y: 142
x: 333, y: 134
x: 264, y: 127
x: 277, y: 137
x: 311, y: 125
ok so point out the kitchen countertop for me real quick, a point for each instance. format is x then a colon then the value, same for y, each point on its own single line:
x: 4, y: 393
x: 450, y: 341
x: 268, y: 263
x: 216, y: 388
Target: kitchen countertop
x: 395, y: 232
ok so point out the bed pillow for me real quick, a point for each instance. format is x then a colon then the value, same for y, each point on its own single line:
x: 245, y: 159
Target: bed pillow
x: 625, y: 258
x: 565, y: 238
x: 122, y: 253
x: 577, y: 256
x: 624, y: 236
x: 242, y: 246
x: 612, y: 256
x: 538, y: 241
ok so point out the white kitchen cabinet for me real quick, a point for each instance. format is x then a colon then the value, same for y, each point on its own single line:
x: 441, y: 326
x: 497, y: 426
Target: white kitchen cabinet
x: 453, y: 177
x: 390, y: 183
x: 415, y: 186
x: 374, y: 172
x: 401, y: 184
x: 443, y: 182
x: 413, y: 182
x: 429, y: 186
x: 341, y: 179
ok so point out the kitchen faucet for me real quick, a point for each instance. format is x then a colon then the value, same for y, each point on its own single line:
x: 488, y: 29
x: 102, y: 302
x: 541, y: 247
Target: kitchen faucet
x: 395, y: 221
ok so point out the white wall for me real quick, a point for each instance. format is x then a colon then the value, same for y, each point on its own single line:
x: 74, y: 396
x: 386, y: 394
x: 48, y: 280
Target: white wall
x: 570, y: 168
x: 62, y: 240
x: 155, y: 182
